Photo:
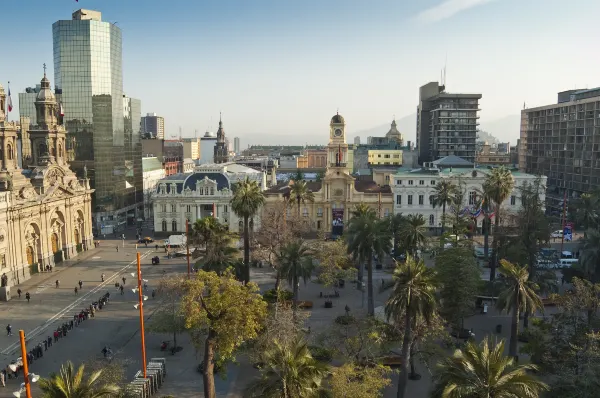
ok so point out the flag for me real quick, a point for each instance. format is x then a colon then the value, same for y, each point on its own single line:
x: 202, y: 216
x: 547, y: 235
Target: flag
x: 9, y: 105
x: 62, y: 111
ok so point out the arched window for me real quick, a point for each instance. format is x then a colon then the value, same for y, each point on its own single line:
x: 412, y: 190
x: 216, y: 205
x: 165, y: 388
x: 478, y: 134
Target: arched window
x: 77, y: 237
x: 164, y: 226
x: 431, y: 219
x: 174, y: 225
x: 54, y: 241
x: 9, y: 152
x: 30, y: 255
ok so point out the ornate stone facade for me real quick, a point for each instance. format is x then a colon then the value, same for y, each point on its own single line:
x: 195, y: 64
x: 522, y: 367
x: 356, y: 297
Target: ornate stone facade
x: 45, y: 210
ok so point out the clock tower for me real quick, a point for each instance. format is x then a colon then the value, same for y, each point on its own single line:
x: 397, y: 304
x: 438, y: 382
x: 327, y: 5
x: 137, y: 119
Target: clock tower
x: 337, y: 149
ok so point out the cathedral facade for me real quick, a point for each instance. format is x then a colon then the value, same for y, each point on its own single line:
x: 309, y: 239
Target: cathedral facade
x: 45, y: 209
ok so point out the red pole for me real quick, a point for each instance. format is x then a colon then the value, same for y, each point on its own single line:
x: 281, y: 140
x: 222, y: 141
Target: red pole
x: 564, y: 219
x: 141, y: 301
x: 25, y: 365
x: 187, y: 245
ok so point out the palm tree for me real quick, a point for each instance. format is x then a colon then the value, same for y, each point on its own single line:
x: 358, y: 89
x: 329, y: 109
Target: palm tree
x: 396, y: 224
x: 247, y: 200
x: 289, y: 372
x: 204, y: 228
x: 69, y: 383
x: 413, y: 296
x: 361, y: 209
x: 586, y: 213
x: 484, y: 371
x: 520, y: 296
x: 296, y: 262
x: 497, y: 186
x: 220, y: 253
x: 413, y: 233
x: 368, y: 236
x: 445, y: 195
x: 300, y: 192
x: 590, y: 254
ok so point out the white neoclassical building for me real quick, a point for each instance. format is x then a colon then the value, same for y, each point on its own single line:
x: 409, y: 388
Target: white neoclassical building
x: 205, y: 192
x: 45, y: 209
x: 413, y: 189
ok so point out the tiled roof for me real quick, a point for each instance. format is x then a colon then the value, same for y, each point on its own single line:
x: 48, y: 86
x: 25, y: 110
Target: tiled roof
x: 371, y: 187
x: 452, y: 161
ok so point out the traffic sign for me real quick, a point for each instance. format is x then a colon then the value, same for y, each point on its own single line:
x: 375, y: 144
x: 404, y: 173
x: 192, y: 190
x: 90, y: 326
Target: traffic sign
x: 568, y: 234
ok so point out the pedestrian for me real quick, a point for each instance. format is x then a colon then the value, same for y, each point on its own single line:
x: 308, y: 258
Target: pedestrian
x: 57, y: 283
x: 27, y: 296
x: 8, y: 330
x: 45, y: 345
x: 75, y: 289
x: 136, y: 246
x: 156, y: 247
x: 123, y: 279
x: 56, y: 336
x: 347, y: 310
x: 102, y: 276
x: 146, y: 243
x: 122, y: 290
x: 3, y: 377
x: 40, y: 350
x: 562, y: 280
x: 19, y: 292
x: 80, y: 284
x: 71, y: 324
x: 49, y: 339
x: 117, y: 249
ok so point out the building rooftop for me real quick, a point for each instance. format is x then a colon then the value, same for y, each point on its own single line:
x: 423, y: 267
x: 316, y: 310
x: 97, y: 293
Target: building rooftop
x: 151, y: 164
x: 452, y: 161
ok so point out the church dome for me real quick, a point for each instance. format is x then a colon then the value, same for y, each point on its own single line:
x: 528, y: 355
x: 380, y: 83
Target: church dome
x: 337, y: 119
x: 45, y: 93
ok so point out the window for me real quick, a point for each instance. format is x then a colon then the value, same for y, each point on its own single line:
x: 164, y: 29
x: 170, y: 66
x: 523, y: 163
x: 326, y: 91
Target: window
x: 431, y: 220
x: 305, y: 212
x: 173, y: 208
x: 320, y: 212
x: 212, y: 190
x: 188, y: 208
x: 225, y: 209
x: 410, y: 200
x: 319, y: 224
x: 432, y: 182
x: 513, y: 200
x: 387, y: 179
x: 398, y: 182
x: 386, y: 212
x: 410, y: 182
x: 174, y: 225
x: 421, y: 182
x: 201, y: 191
x: 398, y: 199
x: 421, y: 199
x: 472, y: 197
x: 164, y: 226
x: 163, y: 208
x: 431, y: 201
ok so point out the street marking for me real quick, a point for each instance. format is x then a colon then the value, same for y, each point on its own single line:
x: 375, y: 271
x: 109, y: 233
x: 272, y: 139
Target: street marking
x: 39, y: 329
x: 41, y: 288
x: 96, y: 257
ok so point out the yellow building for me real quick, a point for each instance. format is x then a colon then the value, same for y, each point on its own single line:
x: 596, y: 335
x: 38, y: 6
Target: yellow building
x: 337, y: 194
x: 385, y: 157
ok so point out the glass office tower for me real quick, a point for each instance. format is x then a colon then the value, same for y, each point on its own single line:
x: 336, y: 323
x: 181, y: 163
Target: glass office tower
x: 88, y: 72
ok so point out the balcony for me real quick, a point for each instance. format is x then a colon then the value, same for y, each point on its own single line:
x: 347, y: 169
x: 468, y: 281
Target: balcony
x: 334, y: 164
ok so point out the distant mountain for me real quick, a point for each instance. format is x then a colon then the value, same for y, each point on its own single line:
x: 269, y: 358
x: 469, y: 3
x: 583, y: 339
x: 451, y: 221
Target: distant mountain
x: 505, y: 129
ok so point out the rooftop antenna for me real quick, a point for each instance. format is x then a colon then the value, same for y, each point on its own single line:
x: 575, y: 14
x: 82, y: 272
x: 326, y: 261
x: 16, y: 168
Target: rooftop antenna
x: 179, y: 133
x: 445, y: 63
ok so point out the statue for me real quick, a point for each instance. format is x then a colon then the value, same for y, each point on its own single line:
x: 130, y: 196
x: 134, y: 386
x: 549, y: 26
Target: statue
x: 47, y: 145
x: 4, y: 280
x: 85, y: 175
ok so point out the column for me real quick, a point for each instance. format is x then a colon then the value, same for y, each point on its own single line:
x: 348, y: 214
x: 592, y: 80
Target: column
x: 2, y: 142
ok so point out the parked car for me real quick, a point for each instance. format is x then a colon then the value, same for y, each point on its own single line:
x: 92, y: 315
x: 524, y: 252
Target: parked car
x: 147, y: 239
x: 463, y: 333
x: 557, y: 234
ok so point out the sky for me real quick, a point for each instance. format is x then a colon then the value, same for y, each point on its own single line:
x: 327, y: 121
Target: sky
x: 279, y: 69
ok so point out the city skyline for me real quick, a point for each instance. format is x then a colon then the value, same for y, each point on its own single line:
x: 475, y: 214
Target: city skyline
x: 281, y: 70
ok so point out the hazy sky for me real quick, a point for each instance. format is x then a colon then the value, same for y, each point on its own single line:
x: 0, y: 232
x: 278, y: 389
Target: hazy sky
x: 279, y: 69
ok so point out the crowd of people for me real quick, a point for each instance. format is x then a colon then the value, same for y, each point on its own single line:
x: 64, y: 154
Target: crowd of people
x: 61, y: 332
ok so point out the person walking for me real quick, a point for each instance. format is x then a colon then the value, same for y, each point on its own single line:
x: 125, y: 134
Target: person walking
x: 45, y: 345
x: 80, y: 285
x: 122, y: 290
x: 8, y: 330
x: 75, y: 289
x: 3, y: 377
x: 28, y: 296
x: 56, y: 336
x: 102, y: 276
x: 57, y: 283
x: 19, y: 292
x: 49, y: 339
x: 123, y: 279
x: 117, y: 249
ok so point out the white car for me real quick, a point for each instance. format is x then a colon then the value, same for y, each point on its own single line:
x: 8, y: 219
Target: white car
x: 557, y: 234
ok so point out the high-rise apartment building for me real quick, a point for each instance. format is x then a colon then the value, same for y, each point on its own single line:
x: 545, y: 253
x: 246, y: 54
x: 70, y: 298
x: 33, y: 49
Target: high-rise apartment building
x: 88, y: 74
x: 236, y: 145
x: 153, y: 126
x: 446, y: 123
x: 561, y: 141
x: 191, y: 148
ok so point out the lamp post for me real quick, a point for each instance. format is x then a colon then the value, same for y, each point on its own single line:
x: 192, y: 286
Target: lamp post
x: 25, y: 366
x: 187, y: 245
x: 140, y: 306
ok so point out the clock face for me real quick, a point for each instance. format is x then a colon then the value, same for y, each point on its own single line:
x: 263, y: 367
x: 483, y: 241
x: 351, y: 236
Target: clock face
x: 337, y: 132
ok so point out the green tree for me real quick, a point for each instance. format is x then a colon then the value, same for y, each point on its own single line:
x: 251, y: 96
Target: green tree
x: 334, y: 262
x: 168, y: 317
x: 217, y: 320
x: 457, y: 294
x: 414, y: 233
x: 590, y: 254
x: 70, y: 383
x: 586, y: 211
x: 300, y: 192
x: 368, y: 236
x: 320, y: 175
x: 296, y: 259
x: 519, y: 296
x: 204, y: 229
x: 221, y: 254
x: 498, y: 185
x: 484, y: 371
x: 247, y: 201
x: 353, y: 381
x: 361, y: 209
x: 413, y: 296
x: 396, y: 222
x: 445, y: 195
x: 298, y: 176
x: 289, y: 372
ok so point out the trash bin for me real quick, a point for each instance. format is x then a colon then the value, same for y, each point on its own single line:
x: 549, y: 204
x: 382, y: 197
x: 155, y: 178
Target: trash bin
x: 498, y: 329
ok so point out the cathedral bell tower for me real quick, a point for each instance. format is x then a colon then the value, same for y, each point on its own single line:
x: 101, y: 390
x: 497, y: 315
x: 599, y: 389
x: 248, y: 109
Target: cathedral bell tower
x: 10, y: 173
x: 221, y: 153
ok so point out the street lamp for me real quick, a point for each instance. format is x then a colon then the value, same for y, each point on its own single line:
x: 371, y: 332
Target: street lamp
x: 140, y: 306
x: 187, y: 245
x: 27, y: 377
